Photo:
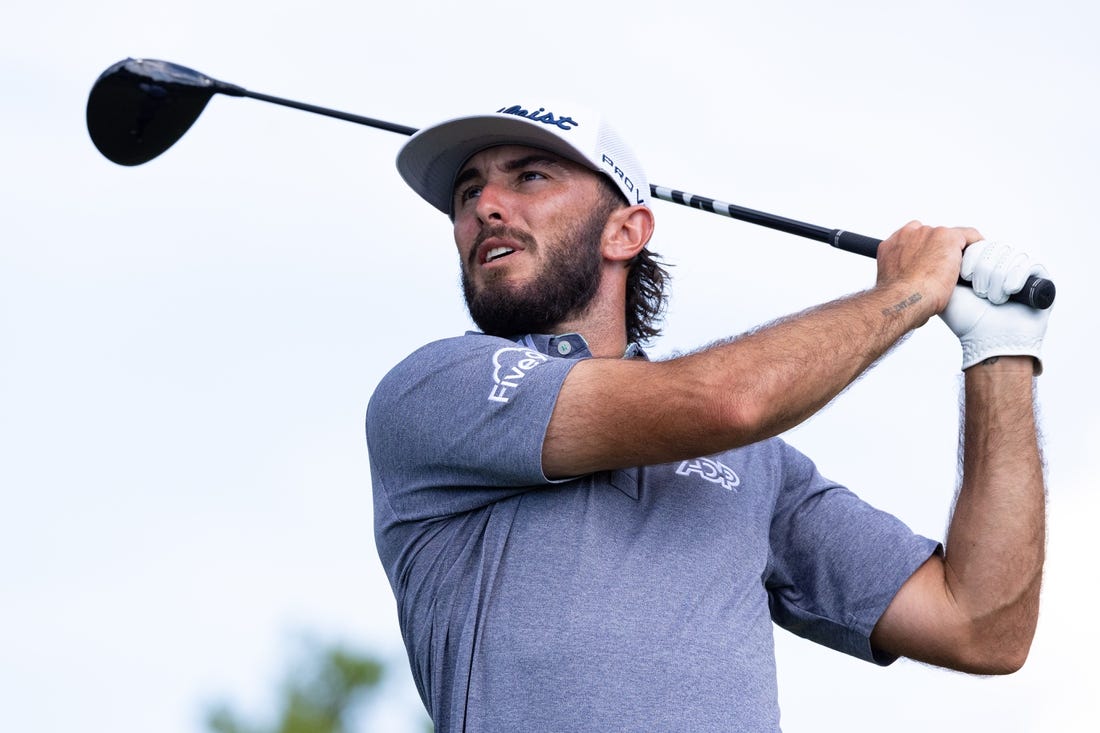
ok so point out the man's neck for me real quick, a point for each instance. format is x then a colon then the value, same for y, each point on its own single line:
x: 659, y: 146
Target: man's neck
x: 603, y: 322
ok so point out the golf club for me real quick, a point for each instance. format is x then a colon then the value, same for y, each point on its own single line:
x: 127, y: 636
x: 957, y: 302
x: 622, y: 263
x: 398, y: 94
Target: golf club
x: 138, y: 108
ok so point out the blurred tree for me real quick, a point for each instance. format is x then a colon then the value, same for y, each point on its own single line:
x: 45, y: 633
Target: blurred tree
x: 320, y: 695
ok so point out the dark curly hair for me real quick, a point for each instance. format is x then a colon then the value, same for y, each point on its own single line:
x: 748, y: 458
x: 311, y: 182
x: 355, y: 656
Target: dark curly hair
x: 646, y: 279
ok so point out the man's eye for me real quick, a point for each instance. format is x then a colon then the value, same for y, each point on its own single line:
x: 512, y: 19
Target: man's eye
x: 531, y: 176
x: 470, y: 192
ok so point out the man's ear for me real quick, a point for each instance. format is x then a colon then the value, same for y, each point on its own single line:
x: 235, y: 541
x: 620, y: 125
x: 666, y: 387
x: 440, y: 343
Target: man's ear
x: 627, y: 231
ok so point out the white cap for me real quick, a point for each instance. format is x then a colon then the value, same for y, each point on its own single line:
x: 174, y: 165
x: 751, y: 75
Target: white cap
x: 431, y: 159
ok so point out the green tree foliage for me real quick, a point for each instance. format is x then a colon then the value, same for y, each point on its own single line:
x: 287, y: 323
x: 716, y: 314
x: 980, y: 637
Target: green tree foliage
x: 319, y: 695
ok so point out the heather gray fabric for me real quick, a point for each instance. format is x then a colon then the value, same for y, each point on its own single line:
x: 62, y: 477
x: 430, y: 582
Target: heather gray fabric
x: 635, y: 600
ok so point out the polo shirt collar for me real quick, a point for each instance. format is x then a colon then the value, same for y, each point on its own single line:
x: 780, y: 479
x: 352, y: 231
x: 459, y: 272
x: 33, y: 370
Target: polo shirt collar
x: 570, y: 346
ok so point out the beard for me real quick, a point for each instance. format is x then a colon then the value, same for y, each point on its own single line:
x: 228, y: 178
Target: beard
x: 562, y: 289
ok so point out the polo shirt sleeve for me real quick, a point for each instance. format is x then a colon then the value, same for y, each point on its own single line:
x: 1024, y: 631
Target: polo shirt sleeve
x: 836, y: 562
x: 460, y: 424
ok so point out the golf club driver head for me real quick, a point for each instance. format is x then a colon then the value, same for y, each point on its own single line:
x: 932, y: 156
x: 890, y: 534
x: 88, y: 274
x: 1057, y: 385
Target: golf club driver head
x: 138, y: 108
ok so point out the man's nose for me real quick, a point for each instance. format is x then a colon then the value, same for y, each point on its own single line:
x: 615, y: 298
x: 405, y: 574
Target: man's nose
x: 493, y: 203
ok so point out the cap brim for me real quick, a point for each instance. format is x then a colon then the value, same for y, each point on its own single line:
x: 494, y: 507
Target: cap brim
x: 430, y: 160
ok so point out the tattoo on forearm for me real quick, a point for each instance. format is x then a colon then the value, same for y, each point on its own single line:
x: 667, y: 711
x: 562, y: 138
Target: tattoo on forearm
x: 899, y: 307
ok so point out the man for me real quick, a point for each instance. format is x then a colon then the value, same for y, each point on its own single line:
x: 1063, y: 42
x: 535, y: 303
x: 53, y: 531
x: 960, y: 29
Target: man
x: 579, y: 538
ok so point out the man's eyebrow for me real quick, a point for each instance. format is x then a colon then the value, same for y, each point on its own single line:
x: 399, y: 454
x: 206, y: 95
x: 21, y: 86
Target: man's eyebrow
x: 465, y: 176
x: 510, y: 166
x: 527, y: 160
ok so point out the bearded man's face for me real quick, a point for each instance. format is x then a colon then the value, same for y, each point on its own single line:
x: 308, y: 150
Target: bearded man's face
x: 529, y: 227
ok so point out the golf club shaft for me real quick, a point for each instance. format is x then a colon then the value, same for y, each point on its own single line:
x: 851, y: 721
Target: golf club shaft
x: 358, y: 119
x: 839, y: 238
x: 1037, y: 292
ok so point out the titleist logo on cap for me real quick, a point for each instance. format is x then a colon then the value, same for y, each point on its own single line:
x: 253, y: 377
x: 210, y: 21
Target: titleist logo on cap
x: 540, y: 115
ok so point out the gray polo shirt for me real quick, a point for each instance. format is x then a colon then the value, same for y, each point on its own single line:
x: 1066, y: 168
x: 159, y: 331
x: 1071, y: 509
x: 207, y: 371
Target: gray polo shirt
x: 633, y: 600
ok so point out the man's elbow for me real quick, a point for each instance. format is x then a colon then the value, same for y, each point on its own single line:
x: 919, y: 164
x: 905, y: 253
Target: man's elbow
x: 997, y: 653
x: 1014, y: 663
x: 1001, y: 664
x: 744, y: 419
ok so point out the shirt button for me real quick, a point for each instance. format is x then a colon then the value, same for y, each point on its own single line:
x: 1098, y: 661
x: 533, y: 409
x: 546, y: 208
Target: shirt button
x: 564, y: 347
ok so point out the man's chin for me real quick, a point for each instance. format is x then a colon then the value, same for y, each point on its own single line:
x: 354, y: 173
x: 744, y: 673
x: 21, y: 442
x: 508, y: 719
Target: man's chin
x: 510, y: 306
x: 502, y: 322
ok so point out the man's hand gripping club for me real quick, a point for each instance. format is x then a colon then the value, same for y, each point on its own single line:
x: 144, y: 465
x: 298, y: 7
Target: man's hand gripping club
x: 985, y: 323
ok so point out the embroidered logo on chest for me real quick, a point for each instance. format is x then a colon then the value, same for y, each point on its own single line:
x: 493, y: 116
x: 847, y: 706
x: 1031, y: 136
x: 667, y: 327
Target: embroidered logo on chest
x: 714, y: 471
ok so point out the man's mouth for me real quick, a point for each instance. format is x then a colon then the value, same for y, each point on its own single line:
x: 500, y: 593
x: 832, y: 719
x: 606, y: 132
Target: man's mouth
x: 489, y: 252
x: 497, y: 252
x: 498, y: 242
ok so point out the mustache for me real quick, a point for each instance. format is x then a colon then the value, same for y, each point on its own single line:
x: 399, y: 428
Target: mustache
x: 503, y: 232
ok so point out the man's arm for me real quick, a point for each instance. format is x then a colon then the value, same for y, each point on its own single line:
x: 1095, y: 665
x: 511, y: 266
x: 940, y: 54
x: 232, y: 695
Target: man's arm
x: 613, y: 413
x: 975, y: 608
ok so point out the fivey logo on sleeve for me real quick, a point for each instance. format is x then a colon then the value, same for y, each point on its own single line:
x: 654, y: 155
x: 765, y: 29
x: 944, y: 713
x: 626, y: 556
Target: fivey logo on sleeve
x: 510, y: 365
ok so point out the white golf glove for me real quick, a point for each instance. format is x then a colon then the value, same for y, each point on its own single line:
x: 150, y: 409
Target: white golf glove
x: 985, y: 323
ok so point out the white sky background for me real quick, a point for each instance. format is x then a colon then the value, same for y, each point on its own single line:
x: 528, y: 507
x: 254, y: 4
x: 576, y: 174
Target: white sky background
x: 187, y: 347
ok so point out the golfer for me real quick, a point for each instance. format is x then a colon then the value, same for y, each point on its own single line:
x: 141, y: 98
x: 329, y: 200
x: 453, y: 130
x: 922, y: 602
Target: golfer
x: 580, y: 538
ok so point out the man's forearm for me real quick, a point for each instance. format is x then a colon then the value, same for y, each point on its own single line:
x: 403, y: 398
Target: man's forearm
x: 996, y: 540
x: 612, y: 413
x: 779, y: 375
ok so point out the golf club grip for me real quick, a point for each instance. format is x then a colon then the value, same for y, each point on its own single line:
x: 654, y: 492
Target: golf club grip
x: 1038, y: 292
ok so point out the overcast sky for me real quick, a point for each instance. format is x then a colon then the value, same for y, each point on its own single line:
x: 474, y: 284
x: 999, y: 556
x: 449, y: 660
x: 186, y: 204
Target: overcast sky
x: 187, y: 347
